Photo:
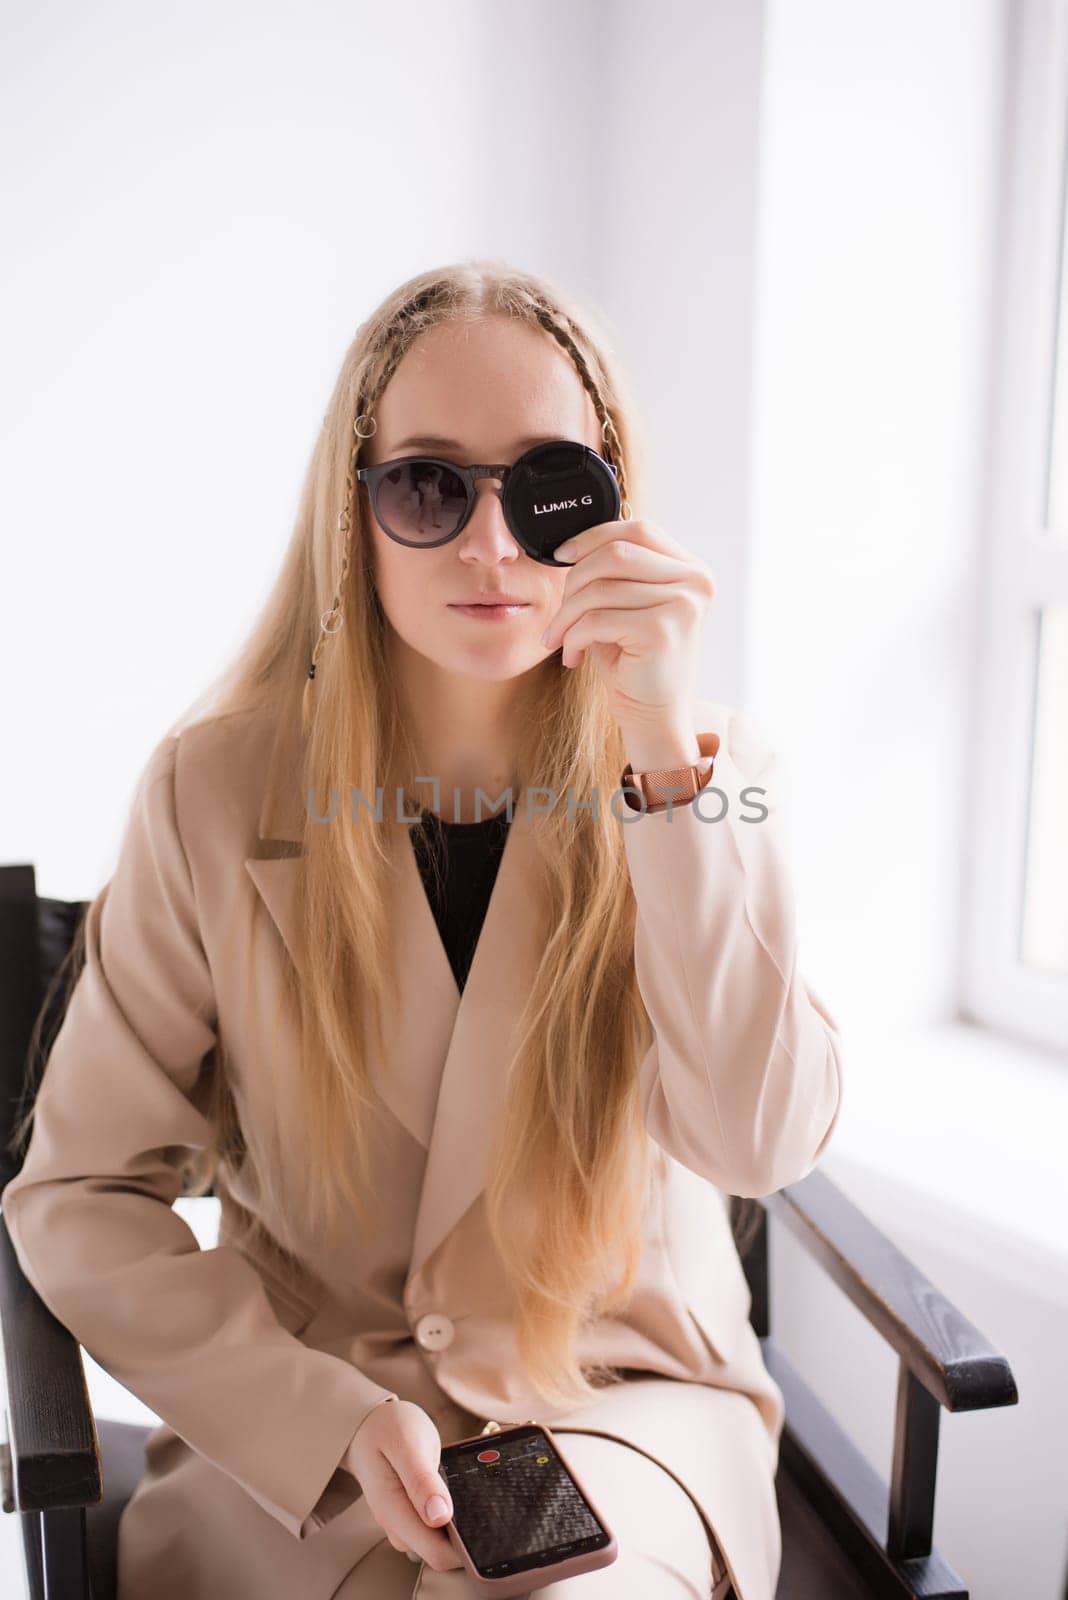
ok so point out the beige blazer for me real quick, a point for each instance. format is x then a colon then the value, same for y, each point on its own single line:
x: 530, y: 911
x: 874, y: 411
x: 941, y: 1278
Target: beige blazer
x: 261, y: 1374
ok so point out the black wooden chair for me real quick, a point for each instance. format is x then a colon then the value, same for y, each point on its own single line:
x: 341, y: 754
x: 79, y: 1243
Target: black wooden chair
x: 846, y: 1534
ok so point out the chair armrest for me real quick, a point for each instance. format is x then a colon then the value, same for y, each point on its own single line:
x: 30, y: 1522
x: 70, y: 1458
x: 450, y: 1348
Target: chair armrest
x: 55, y: 1452
x: 943, y: 1360
x: 945, y: 1352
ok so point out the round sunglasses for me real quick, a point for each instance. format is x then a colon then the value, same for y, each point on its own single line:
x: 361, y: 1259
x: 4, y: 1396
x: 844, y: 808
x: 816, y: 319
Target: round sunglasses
x: 551, y: 492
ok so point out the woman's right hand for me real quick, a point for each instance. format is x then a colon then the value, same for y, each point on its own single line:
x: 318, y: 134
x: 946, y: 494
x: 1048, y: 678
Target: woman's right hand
x: 394, y: 1458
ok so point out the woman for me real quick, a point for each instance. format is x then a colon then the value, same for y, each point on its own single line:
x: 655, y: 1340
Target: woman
x: 472, y: 1093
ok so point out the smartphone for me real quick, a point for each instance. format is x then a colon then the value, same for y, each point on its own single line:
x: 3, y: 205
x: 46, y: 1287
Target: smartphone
x: 521, y: 1517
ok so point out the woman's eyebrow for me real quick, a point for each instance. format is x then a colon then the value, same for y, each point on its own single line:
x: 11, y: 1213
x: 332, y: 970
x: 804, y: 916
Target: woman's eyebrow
x: 436, y: 441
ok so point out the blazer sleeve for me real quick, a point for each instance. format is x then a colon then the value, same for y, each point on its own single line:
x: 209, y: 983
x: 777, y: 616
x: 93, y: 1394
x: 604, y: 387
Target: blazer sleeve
x: 190, y: 1332
x: 743, y: 1081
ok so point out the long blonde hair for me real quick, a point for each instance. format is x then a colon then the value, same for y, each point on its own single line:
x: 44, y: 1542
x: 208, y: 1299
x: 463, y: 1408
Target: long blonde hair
x: 569, y: 1168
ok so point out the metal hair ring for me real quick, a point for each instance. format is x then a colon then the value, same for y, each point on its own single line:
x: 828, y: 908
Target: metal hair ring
x: 359, y: 431
x: 322, y: 621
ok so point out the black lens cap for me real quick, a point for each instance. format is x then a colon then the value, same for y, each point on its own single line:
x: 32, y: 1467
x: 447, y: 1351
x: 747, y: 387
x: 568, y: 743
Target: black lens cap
x: 556, y: 490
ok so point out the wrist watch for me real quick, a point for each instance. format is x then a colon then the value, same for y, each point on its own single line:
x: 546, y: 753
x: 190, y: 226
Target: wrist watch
x: 677, y: 784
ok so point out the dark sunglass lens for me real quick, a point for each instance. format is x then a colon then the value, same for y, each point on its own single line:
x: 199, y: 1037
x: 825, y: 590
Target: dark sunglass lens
x: 421, y: 501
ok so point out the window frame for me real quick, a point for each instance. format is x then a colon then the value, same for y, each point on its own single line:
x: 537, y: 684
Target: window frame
x: 1022, y: 567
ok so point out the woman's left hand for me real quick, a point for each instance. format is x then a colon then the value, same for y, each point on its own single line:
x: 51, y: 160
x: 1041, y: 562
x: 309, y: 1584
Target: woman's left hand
x: 635, y: 599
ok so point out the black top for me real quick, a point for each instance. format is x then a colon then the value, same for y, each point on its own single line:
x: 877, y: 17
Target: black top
x: 469, y: 854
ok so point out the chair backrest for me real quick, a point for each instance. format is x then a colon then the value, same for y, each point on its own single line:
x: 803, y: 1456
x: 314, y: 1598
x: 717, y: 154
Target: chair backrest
x: 38, y: 968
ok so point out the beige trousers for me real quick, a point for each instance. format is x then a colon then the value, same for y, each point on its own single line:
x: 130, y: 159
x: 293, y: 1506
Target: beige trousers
x: 665, y: 1550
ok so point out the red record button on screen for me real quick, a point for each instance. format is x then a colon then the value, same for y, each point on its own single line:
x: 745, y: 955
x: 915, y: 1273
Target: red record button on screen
x: 488, y: 1455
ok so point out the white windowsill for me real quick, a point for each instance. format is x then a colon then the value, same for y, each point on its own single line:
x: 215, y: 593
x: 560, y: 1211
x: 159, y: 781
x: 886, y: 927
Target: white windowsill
x: 963, y: 1116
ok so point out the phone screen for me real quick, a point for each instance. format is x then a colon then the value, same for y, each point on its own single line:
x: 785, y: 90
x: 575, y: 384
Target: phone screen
x: 515, y: 1505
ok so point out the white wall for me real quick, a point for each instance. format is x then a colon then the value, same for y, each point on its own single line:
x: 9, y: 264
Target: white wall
x: 879, y: 178
x: 680, y: 145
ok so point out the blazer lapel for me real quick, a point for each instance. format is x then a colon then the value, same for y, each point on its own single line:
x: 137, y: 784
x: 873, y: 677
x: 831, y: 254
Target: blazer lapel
x: 446, y: 1053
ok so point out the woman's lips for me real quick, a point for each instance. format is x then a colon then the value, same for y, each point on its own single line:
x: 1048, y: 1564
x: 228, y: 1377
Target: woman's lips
x: 490, y: 613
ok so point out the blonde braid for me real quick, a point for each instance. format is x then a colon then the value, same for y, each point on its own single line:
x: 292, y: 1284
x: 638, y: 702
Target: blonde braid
x: 395, y: 338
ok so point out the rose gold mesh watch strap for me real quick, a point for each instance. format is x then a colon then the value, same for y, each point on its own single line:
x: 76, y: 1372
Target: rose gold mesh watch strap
x: 680, y: 784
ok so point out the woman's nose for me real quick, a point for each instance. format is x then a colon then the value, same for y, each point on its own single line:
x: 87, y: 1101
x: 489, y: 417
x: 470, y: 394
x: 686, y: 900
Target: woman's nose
x: 486, y: 530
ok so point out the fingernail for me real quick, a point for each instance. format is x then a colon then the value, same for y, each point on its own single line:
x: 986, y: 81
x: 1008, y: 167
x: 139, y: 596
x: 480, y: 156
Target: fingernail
x: 565, y: 551
x: 436, y: 1506
x: 545, y: 637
